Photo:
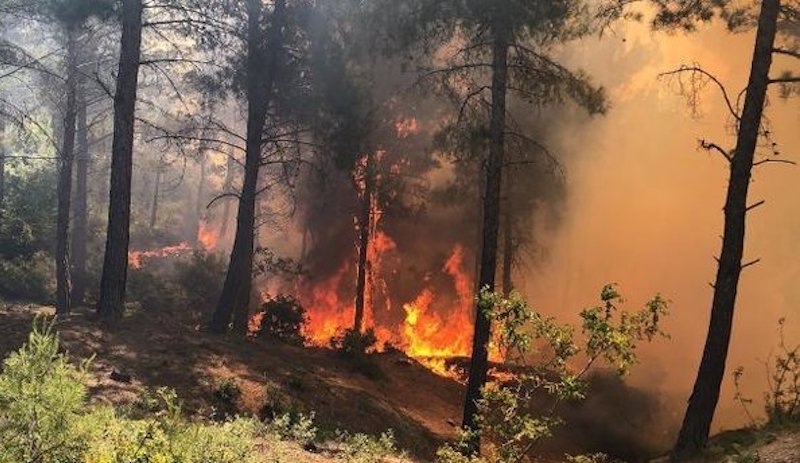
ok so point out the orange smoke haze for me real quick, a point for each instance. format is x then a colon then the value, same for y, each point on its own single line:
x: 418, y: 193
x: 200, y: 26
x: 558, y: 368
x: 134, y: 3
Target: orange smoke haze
x: 645, y: 208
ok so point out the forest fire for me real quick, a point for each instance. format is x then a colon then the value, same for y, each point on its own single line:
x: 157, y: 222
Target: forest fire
x: 426, y: 328
x: 207, y: 240
x: 207, y: 237
x: 138, y: 259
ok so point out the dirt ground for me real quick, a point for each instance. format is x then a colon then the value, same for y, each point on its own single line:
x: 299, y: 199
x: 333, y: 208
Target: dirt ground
x: 394, y: 392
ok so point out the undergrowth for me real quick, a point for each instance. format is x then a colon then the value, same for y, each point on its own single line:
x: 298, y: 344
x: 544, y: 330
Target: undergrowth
x: 45, y: 417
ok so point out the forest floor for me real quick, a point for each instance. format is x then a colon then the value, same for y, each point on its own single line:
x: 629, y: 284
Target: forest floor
x: 390, y: 391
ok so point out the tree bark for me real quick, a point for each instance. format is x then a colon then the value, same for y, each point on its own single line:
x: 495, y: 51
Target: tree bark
x: 364, y: 223
x: 3, y: 153
x: 694, y: 432
x: 508, y: 241
x: 262, y: 62
x: 491, y: 225
x: 115, y: 263
x: 156, y: 193
x: 66, y: 158
x: 81, y: 218
x: 200, y: 203
x: 227, y: 189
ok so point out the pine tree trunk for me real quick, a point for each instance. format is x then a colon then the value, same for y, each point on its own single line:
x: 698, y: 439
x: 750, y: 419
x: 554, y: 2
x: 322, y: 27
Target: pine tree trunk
x: 156, y: 193
x: 3, y: 154
x: 261, y: 73
x: 227, y: 189
x: 200, y: 203
x: 364, y: 223
x: 491, y: 225
x: 508, y: 251
x: 66, y: 157
x: 81, y: 218
x: 115, y: 263
x: 694, y: 432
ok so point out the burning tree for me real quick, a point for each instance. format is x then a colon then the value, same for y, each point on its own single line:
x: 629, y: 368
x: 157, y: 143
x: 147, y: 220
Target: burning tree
x: 499, y: 48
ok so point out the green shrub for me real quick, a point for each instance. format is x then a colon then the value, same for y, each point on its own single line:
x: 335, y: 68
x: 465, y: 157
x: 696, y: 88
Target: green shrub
x: 226, y: 395
x: 284, y: 319
x: 295, y: 427
x: 27, y: 279
x: 16, y: 239
x: 362, y: 448
x: 41, y: 402
x: 45, y: 418
x: 154, y: 292
x: 515, y: 415
x: 201, y: 280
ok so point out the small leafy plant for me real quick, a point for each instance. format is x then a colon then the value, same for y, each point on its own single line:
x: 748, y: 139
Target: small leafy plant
x: 518, y: 413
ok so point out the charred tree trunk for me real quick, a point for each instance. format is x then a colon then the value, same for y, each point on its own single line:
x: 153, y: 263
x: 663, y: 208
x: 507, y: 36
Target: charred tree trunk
x: 491, y: 225
x: 262, y: 62
x: 81, y: 218
x: 65, y: 162
x: 508, y: 243
x: 364, y: 223
x: 694, y: 432
x: 154, y: 203
x: 115, y: 263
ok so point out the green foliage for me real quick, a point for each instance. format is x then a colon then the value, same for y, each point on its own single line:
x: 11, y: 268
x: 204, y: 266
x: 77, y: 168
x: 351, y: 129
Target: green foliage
x: 41, y: 401
x: 295, y: 427
x: 154, y: 292
x: 284, y: 320
x: 29, y: 214
x: 361, y: 448
x: 226, y: 395
x: 27, y: 279
x: 201, y: 280
x: 45, y: 418
x: 518, y: 413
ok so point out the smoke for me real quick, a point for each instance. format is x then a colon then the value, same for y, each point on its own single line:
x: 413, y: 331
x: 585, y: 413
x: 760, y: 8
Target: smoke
x: 644, y: 209
x: 640, y: 206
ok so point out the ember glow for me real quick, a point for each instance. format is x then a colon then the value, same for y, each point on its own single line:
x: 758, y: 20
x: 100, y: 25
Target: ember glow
x: 207, y: 237
x: 138, y: 259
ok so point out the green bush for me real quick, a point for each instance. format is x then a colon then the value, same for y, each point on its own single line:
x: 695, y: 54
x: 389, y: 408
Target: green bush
x: 27, y: 279
x: 201, y: 280
x: 154, y: 292
x: 45, y: 418
x: 517, y: 414
x: 41, y: 403
x: 284, y: 320
x: 362, y: 448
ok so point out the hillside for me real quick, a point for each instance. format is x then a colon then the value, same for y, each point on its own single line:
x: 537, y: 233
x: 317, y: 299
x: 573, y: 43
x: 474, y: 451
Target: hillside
x: 388, y: 392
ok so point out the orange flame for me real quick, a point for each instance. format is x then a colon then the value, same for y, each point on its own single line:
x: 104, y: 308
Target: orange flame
x: 207, y: 236
x: 137, y: 259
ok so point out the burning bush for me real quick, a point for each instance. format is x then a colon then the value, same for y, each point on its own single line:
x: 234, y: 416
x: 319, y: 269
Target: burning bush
x: 284, y: 319
x: 353, y: 342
